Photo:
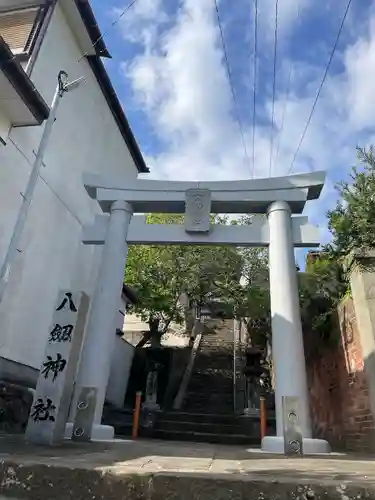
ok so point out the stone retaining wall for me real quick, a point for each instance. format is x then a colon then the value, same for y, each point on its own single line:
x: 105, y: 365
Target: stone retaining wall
x: 339, y: 392
x: 42, y: 482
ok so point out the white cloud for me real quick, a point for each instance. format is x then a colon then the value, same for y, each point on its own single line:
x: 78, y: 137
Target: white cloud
x: 360, y: 66
x: 179, y: 80
x: 141, y: 22
x: 290, y: 12
x: 182, y: 85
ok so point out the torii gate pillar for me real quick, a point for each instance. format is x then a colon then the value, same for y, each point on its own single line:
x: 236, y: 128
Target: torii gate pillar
x: 287, y: 339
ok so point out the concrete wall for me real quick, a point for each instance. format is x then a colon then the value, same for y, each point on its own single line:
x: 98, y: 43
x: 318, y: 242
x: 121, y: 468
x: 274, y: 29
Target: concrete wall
x: 85, y: 138
x: 120, y: 370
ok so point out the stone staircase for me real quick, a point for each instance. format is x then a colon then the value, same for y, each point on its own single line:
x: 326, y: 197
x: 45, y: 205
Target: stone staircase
x: 207, y: 414
x: 193, y: 427
x: 207, y: 428
x: 210, y: 390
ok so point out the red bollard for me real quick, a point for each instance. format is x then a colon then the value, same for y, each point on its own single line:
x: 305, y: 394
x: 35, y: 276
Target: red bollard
x: 263, y: 418
x: 137, y: 411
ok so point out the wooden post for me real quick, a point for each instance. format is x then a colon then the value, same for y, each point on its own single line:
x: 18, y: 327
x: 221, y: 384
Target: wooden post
x: 137, y: 410
x: 263, y: 418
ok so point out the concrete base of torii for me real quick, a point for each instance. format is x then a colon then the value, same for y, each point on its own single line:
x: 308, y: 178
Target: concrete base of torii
x: 99, y: 432
x: 275, y: 444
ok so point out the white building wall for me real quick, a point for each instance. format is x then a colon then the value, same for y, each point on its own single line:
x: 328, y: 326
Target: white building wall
x: 122, y: 358
x: 85, y: 138
x: 120, y: 371
x: 133, y: 327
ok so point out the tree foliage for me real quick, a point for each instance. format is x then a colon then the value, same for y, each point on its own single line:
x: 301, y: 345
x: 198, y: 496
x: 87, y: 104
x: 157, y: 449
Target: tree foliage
x: 352, y: 222
x: 321, y: 287
x: 352, y: 225
x: 161, y: 274
x: 250, y: 298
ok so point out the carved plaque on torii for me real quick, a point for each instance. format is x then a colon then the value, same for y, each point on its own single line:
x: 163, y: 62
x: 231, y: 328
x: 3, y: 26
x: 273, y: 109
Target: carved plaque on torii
x: 197, y: 210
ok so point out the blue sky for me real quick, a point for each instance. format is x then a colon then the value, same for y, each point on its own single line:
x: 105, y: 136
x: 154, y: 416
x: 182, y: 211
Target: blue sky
x: 169, y: 72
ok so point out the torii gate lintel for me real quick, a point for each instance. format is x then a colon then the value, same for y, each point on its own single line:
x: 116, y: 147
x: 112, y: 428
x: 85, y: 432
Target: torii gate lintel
x: 246, y: 196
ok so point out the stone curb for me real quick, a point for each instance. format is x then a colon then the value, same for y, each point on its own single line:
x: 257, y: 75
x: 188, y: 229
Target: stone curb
x: 43, y: 482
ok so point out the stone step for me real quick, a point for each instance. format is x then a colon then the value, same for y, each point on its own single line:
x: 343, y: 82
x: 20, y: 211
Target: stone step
x: 207, y: 372
x: 199, y: 423
x: 214, y: 391
x: 216, y: 375
x: 204, y: 363
x: 209, y: 396
x: 223, y: 385
x: 234, y: 428
x: 207, y: 405
x: 183, y: 416
x: 199, y: 437
x: 214, y: 357
x: 216, y: 347
x: 197, y: 407
x: 214, y: 351
x: 208, y: 388
x: 212, y: 341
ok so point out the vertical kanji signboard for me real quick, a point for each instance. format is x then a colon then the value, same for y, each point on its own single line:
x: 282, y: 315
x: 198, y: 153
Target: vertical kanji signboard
x: 54, y: 389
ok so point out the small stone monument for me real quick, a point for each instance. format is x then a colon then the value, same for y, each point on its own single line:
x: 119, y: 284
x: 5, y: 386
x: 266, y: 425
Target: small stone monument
x: 50, y: 408
x: 150, y: 407
x: 151, y: 395
x: 253, y: 373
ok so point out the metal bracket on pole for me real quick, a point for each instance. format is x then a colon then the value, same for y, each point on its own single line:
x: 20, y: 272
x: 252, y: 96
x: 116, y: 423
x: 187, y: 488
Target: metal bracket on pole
x: 293, y: 440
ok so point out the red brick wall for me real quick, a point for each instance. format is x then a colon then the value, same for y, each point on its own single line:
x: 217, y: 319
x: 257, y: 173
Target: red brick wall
x: 339, y: 400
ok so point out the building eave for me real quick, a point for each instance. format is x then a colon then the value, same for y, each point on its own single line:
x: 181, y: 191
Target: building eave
x: 92, y: 27
x: 22, y: 84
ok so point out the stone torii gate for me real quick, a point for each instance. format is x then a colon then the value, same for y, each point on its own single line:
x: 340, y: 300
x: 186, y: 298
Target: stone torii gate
x: 279, y: 198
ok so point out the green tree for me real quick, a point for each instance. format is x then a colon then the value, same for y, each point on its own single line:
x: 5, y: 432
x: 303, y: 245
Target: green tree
x: 321, y: 288
x: 352, y: 222
x: 160, y: 274
x: 254, y: 301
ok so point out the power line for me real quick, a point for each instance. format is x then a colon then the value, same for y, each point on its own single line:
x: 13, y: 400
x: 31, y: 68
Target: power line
x: 255, y: 81
x: 287, y: 93
x: 283, y: 114
x: 231, y: 80
x: 274, y: 83
x: 321, y: 85
x: 122, y: 13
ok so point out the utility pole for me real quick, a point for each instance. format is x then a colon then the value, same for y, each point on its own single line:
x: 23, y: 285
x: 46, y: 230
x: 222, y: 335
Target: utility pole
x: 62, y: 87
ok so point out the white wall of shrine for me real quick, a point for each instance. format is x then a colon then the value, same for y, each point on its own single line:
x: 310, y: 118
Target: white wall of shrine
x: 85, y: 136
x: 122, y: 358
